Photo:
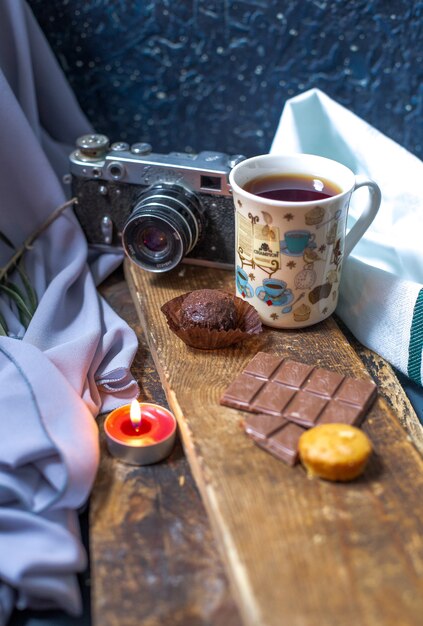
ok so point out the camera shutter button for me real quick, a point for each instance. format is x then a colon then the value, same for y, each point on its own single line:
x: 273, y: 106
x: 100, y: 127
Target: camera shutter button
x: 119, y: 146
x: 92, y: 146
x: 141, y: 148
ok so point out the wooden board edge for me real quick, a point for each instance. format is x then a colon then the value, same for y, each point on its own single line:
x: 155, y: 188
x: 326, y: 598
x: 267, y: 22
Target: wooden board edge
x: 243, y: 597
x: 390, y: 389
x: 238, y: 580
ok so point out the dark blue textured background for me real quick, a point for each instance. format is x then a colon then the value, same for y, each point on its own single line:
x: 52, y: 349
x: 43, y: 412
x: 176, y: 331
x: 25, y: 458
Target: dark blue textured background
x: 210, y: 74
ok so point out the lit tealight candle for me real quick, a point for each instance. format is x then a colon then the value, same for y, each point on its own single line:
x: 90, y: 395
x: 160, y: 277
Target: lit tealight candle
x: 140, y: 433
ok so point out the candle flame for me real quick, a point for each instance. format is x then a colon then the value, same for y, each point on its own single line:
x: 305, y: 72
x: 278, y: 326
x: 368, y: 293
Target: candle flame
x: 135, y: 414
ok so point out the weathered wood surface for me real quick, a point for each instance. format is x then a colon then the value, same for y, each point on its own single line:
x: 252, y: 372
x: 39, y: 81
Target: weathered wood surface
x: 298, y: 552
x: 392, y: 391
x: 154, y: 560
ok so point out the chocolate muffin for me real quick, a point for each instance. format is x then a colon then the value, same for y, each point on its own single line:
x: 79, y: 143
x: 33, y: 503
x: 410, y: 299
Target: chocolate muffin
x: 211, y: 318
x: 208, y: 308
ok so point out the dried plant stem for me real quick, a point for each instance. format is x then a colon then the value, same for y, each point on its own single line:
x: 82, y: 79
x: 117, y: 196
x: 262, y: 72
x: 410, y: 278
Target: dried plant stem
x: 27, y: 243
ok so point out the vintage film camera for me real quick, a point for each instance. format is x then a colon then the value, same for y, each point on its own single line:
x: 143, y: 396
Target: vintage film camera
x: 160, y: 208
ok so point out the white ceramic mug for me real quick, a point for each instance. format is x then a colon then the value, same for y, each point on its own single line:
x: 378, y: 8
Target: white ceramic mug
x: 288, y: 254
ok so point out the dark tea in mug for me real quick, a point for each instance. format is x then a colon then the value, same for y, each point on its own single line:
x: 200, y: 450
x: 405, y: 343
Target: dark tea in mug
x: 292, y: 187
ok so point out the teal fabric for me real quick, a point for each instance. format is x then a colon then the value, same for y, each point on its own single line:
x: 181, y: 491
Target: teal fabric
x: 416, y: 341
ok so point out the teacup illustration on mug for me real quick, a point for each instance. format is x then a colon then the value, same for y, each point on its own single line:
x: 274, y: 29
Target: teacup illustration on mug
x: 274, y: 292
x: 296, y: 241
x: 242, y: 283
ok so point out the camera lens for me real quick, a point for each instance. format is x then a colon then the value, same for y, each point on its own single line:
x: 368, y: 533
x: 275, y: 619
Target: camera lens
x: 155, y: 239
x: 164, y: 226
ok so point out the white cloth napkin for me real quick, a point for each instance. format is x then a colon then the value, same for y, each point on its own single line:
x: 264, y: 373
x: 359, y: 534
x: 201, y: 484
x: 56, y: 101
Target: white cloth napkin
x: 381, y: 296
x: 73, y: 360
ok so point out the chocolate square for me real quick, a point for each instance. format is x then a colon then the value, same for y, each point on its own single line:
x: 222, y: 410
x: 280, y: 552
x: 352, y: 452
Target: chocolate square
x: 304, y: 408
x: 356, y: 391
x: 272, y: 398
x: 284, y: 443
x: 323, y: 382
x: 341, y: 413
x: 262, y: 365
x: 292, y: 373
x: 241, y: 391
x: 262, y: 426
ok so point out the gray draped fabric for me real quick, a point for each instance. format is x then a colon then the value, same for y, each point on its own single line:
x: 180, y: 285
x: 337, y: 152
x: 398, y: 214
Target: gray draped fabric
x: 73, y: 360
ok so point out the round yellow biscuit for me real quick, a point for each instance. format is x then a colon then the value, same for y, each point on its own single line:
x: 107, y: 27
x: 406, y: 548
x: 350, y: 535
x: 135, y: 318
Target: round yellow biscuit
x: 334, y: 451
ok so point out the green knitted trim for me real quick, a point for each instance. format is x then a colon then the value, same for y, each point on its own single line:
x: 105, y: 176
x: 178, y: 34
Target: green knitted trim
x: 416, y: 341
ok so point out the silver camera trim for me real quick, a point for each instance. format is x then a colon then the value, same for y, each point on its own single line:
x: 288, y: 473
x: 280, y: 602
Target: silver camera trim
x: 153, y: 168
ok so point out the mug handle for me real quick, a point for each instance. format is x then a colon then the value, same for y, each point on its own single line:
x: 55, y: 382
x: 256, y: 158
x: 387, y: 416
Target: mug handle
x: 368, y: 214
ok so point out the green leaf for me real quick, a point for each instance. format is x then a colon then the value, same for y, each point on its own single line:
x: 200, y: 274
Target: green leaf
x: 32, y: 298
x: 3, y: 326
x: 18, y: 298
x: 6, y: 240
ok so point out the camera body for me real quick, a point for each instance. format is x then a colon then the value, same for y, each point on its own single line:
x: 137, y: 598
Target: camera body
x: 160, y: 208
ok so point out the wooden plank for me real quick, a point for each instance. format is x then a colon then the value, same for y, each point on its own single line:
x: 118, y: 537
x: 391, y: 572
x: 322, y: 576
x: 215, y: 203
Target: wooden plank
x: 298, y: 551
x: 390, y: 388
x: 154, y: 559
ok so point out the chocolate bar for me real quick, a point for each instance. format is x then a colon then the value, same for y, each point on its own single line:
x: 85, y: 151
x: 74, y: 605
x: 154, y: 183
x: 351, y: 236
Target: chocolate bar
x: 276, y: 435
x: 286, y: 397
